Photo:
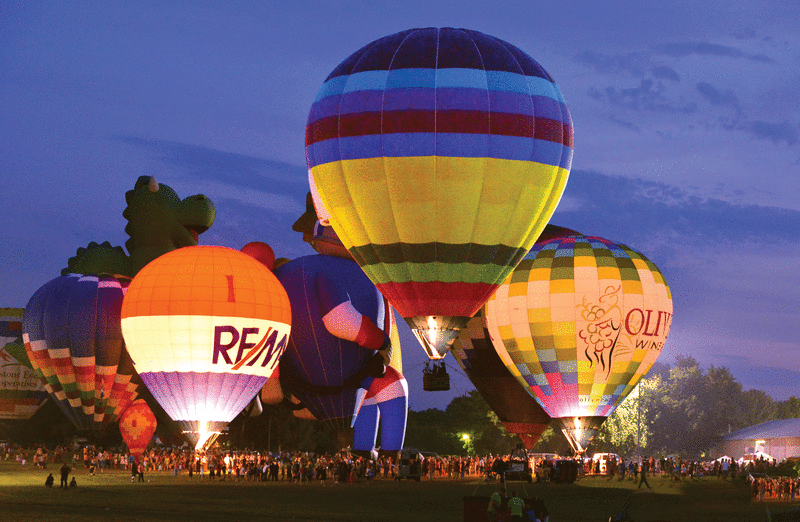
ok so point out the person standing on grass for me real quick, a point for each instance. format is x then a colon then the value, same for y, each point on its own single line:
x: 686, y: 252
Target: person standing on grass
x: 643, y: 474
x: 516, y: 507
x: 494, y: 505
x: 64, y: 475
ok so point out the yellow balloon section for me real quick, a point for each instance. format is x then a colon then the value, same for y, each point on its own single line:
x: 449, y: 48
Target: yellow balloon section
x: 205, y: 327
x: 578, y: 323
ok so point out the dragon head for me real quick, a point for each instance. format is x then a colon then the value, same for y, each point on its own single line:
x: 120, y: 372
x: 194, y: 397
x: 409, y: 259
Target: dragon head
x: 159, y: 221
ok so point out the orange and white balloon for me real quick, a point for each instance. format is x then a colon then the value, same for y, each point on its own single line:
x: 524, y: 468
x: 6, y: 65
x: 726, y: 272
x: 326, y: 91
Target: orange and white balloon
x: 205, y: 327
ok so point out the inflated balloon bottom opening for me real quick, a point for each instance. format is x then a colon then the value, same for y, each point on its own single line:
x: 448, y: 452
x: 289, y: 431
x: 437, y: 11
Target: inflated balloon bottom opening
x: 201, y: 434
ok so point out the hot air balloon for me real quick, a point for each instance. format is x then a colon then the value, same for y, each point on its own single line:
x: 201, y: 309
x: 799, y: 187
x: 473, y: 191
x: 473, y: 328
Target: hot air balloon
x: 343, y: 338
x: 21, y: 391
x: 72, y: 336
x: 473, y: 350
x: 438, y: 156
x: 205, y: 326
x: 137, y: 424
x: 578, y: 323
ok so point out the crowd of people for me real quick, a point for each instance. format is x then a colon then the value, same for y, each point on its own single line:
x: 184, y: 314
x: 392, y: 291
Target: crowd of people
x: 344, y: 467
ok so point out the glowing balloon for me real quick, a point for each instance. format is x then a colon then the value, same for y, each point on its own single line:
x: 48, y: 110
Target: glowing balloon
x: 206, y: 327
x: 72, y: 336
x: 137, y: 426
x: 21, y: 391
x: 438, y: 155
x: 578, y: 323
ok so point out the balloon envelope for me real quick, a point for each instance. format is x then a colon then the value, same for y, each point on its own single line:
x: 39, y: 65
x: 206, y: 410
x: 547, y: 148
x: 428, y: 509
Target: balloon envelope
x: 21, y: 391
x: 439, y: 155
x: 206, y: 327
x: 71, y: 330
x: 137, y: 424
x: 317, y: 362
x: 517, y: 409
x: 578, y: 323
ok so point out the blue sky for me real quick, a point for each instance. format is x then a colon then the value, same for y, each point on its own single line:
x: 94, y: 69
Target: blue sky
x: 686, y: 118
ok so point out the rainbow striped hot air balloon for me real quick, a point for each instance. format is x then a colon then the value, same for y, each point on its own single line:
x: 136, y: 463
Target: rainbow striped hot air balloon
x: 72, y: 336
x: 205, y: 327
x: 579, y: 322
x: 438, y: 156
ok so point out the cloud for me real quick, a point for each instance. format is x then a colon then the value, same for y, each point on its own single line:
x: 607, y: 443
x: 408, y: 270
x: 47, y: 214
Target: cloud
x: 785, y: 131
x: 648, y: 95
x: 662, y: 72
x: 683, y: 49
x: 719, y: 97
x: 214, y: 164
x: 633, y: 63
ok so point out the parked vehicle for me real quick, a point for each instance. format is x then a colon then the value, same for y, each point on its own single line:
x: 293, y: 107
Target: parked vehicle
x: 409, y: 464
x: 600, y: 462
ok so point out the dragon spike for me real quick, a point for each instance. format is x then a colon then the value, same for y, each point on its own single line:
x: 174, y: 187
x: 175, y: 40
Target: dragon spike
x: 153, y: 184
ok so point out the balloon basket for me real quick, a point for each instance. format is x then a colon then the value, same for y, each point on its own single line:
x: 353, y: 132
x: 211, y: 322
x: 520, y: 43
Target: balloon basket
x: 436, y: 382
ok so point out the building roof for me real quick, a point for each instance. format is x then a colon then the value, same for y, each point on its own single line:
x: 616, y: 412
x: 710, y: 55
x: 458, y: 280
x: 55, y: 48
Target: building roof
x: 768, y: 430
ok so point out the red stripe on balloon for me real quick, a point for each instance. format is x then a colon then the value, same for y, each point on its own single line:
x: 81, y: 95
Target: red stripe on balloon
x: 454, y: 121
x: 437, y: 298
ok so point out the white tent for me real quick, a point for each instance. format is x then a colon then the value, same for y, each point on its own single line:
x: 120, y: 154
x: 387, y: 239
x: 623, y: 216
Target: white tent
x: 752, y: 457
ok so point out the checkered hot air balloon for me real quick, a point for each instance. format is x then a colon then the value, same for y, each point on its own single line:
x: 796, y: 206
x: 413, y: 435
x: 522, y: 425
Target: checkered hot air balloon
x: 205, y: 326
x: 71, y: 330
x: 438, y: 156
x: 579, y: 322
x: 137, y: 424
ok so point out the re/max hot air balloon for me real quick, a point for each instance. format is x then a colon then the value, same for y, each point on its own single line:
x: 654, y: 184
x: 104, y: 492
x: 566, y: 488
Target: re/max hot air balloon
x: 137, y: 424
x: 205, y: 326
x: 72, y: 336
x: 579, y: 322
x: 438, y: 155
x: 21, y: 391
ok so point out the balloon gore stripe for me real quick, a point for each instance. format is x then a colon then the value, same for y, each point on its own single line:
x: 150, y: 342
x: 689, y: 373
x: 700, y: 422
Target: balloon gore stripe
x: 432, y: 121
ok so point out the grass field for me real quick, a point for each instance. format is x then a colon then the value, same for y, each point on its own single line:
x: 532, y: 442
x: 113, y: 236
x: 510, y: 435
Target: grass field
x: 111, y: 496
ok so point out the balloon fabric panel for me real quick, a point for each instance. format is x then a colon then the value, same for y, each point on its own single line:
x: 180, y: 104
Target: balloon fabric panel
x: 428, y: 132
x: 581, y: 320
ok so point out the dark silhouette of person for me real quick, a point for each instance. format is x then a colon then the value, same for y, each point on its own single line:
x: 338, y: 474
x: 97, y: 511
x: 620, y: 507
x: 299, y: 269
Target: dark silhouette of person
x: 64, y: 474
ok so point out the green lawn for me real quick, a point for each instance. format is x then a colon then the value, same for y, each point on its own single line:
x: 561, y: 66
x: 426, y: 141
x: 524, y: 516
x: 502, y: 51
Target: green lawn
x: 111, y: 496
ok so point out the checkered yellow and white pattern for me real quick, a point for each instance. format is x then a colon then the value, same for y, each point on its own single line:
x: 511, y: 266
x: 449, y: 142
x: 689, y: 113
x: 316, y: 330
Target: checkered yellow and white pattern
x: 579, y: 322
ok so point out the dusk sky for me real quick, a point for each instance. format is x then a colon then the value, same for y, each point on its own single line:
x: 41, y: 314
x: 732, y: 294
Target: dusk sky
x: 686, y: 119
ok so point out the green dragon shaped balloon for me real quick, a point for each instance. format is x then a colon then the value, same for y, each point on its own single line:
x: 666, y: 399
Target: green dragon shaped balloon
x: 158, y: 222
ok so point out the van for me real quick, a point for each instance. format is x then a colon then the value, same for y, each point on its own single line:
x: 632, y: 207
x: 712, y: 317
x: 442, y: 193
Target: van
x: 600, y: 462
x: 409, y: 464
